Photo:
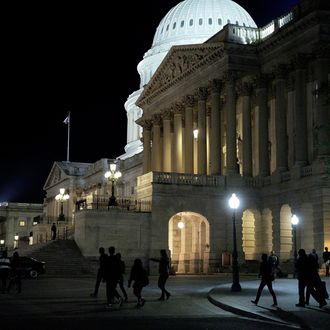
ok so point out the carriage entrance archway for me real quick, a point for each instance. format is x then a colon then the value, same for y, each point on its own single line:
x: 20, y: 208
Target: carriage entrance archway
x: 189, y: 243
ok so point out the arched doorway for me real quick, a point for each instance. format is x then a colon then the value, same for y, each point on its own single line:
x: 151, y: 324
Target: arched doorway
x: 189, y: 242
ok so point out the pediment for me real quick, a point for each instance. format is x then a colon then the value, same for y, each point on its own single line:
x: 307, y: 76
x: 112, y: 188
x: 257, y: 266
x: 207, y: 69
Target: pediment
x: 55, y: 176
x: 178, y: 63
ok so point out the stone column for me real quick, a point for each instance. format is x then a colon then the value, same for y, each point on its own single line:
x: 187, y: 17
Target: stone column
x: 202, y: 96
x: 231, y: 125
x: 215, y: 128
x: 276, y: 221
x: 167, y: 141
x: 280, y: 119
x: 146, y: 146
x: 156, y: 144
x: 300, y: 137
x: 322, y: 93
x: 177, y: 145
x: 189, y: 137
x: 247, y: 130
x: 261, y: 91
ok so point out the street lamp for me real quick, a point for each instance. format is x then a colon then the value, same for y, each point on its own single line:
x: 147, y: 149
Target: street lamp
x: 62, y: 197
x: 16, y: 238
x: 2, y: 244
x: 195, y: 132
x: 234, y: 204
x: 294, y: 222
x: 113, y: 175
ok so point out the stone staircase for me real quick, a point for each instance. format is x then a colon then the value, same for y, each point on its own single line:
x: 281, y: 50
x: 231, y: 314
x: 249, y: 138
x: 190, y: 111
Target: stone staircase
x: 63, y: 259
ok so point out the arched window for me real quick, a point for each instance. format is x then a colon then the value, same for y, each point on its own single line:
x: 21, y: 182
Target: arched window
x: 182, y: 24
x: 228, y: 21
x: 210, y: 21
x: 174, y: 25
x: 200, y: 21
x: 191, y: 22
x: 167, y: 27
x: 219, y: 21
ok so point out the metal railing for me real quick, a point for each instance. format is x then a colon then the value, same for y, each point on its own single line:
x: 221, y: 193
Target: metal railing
x: 101, y: 202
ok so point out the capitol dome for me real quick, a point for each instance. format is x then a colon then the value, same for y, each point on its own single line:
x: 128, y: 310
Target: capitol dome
x: 189, y: 22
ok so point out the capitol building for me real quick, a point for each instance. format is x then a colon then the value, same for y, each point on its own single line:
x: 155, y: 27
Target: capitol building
x: 223, y: 107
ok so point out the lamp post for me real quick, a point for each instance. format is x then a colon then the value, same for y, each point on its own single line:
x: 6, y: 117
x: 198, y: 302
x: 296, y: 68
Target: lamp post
x: 294, y: 222
x: 16, y: 238
x: 2, y: 244
x: 113, y: 175
x: 62, y: 197
x: 234, y: 204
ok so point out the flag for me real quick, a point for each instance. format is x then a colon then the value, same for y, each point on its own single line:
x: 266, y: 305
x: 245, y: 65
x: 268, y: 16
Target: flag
x: 66, y: 120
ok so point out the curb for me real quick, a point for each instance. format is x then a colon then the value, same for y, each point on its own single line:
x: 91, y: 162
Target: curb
x: 242, y: 312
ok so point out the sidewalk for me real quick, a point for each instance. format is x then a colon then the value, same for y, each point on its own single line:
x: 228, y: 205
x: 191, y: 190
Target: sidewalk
x: 286, y: 290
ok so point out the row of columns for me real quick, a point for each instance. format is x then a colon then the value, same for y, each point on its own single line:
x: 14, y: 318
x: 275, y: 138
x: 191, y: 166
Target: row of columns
x: 177, y: 155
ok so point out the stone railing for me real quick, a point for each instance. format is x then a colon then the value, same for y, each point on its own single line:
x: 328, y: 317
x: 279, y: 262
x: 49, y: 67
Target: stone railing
x: 285, y: 19
x: 248, y: 35
x: 188, y: 179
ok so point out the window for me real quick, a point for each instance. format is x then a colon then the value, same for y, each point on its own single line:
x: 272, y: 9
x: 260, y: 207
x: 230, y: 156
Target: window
x: 228, y: 21
x: 167, y: 27
x: 182, y: 24
x: 200, y: 21
x: 174, y: 25
x: 210, y: 21
x: 219, y: 21
x: 191, y: 22
x: 21, y: 223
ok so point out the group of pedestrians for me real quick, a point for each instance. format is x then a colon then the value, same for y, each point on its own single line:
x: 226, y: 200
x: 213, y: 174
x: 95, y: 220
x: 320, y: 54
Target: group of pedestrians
x: 112, y: 269
x: 306, y: 268
x: 10, y: 271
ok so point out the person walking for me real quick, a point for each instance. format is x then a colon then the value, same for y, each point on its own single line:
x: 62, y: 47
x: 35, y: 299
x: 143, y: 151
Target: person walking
x: 4, y: 271
x: 15, y: 273
x: 53, y: 231
x: 121, y: 276
x: 112, y: 275
x: 101, y: 271
x: 314, y: 284
x: 266, y: 274
x: 140, y: 278
x: 315, y: 256
x: 326, y: 260
x: 275, y: 264
x: 163, y: 269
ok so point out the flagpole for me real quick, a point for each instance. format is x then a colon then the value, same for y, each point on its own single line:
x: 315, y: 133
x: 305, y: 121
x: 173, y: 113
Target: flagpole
x: 68, y: 147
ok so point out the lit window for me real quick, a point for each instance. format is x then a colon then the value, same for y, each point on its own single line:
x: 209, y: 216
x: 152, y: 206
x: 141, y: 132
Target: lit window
x: 22, y: 223
x: 191, y: 22
x: 182, y: 23
x: 210, y: 21
x: 219, y: 21
x: 174, y: 25
x: 200, y: 21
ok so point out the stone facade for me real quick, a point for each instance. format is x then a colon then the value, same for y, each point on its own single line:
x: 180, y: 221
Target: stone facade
x: 259, y: 98
x: 18, y: 219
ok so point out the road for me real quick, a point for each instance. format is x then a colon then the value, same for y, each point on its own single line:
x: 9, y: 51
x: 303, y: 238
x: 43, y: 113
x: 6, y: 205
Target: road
x: 50, y: 303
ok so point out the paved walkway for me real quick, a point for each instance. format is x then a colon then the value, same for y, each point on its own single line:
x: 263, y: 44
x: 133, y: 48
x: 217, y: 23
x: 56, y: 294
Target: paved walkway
x: 310, y: 317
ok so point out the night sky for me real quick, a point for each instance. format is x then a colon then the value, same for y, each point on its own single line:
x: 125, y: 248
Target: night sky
x: 57, y: 56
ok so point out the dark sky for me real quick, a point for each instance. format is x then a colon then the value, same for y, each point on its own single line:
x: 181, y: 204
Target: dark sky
x: 83, y: 56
